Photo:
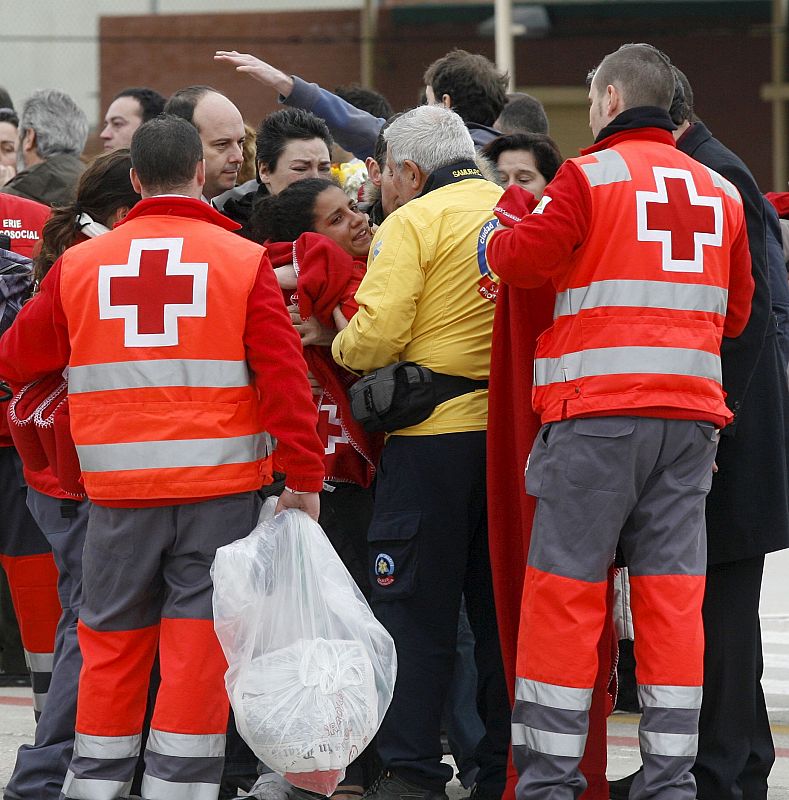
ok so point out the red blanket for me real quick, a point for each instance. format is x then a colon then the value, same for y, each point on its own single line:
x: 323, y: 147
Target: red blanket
x: 521, y: 316
x: 327, y: 276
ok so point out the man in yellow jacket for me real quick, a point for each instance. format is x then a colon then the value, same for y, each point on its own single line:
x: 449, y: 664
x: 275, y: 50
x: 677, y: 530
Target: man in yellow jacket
x: 428, y: 298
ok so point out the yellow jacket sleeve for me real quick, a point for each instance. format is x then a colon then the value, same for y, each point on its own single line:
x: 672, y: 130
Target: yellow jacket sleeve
x: 387, y: 298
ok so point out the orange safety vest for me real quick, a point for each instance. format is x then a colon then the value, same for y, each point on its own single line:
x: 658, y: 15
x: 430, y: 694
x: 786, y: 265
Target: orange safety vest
x: 639, y: 312
x: 161, y: 400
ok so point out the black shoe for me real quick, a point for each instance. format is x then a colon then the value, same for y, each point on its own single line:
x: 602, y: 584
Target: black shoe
x: 620, y: 790
x: 389, y: 786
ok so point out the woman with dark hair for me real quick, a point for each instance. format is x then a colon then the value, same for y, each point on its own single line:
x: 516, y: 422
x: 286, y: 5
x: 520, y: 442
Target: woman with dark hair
x: 290, y: 145
x: 54, y: 495
x: 318, y: 242
x: 529, y: 160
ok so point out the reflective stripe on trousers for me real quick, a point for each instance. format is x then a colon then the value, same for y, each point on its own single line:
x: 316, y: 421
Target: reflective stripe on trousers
x: 40, y: 666
x: 196, y: 760
x: 102, y: 767
x: 549, y: 728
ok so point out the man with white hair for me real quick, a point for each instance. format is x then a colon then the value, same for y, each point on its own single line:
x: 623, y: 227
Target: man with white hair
x: 52, y: 134
x: 428, y: 298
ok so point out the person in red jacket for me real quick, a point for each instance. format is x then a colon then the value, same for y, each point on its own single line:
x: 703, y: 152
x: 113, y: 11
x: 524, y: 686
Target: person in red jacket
x: 21, y: 223
x: 648, y: 254
x: 166, y: 324
x: 54, y: 495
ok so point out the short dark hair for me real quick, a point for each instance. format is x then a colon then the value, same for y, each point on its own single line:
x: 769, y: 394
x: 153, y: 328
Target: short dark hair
x: 366, y: 99
x: 545, y: 150
x: 9, y: 115
x: 5, y: 99
x: 642, y: 72
x: 478, y: 91
x: 285, y: 216
x: 183, y: 101
x: 682, y: 105
x: 165, y: 152
x: 281, y: 127
x: 522, y: 114
x: 151, y: 102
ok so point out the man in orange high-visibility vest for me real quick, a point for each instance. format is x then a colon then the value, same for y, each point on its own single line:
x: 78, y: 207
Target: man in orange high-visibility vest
x: 180, y: 355
x: 648, y: 253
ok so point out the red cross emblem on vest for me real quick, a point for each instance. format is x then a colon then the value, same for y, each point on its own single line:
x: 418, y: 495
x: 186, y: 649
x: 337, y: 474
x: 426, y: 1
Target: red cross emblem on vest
x: 681, y: 219
x: 151, y: 291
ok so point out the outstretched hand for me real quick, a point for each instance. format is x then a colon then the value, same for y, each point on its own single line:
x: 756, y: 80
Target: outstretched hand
x: 257, y: 69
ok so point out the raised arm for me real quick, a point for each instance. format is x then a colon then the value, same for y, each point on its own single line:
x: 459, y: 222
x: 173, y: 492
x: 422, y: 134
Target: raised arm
x: 353, y: 129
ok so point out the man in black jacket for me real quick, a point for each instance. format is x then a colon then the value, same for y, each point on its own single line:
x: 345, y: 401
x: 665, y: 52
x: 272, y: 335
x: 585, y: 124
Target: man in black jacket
x: 747, y: 508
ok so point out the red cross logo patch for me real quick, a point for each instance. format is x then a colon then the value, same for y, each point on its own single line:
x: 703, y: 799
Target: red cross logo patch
x: 333, y: 421
x: 151, y: 291
x: 681, y: 219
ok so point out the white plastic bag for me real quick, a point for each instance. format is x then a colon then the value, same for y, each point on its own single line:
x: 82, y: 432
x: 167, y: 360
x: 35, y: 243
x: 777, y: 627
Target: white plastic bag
x: 310, y: 670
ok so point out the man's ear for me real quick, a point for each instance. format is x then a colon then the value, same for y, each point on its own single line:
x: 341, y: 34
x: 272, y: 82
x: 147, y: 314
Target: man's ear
x: 200, y: 173
x: 135, y: 180
x: 613, y: 99
x: 263, y: 174
x: 373, y: 170
x: 414, y: 176
x: 29, y: 140
x: 446, y: 100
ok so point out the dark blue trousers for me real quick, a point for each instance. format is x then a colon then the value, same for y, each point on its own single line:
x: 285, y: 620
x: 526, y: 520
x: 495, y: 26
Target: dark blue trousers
x: 428, y: 545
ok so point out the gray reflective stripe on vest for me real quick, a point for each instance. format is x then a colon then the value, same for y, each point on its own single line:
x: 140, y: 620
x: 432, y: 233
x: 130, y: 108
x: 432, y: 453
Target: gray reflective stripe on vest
x: 208, y: 373
x: 642, y: 294
x: 627, y: 360
x: 107, y: 747
x: 39, y: 701
x: 669, y: 744
x: 39, y: 662
x: 547, y: 694
x: 610, y: 167
x: 548, y: 742
x: 722, y: 183
x: 175, y: 453
x: 186, y: 745
x: 670, y: 696
x: 156, y: 787
x: 93, y: 789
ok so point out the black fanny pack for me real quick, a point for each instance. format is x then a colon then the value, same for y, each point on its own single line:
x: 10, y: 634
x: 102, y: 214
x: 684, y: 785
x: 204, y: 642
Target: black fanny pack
x: 404, y: 394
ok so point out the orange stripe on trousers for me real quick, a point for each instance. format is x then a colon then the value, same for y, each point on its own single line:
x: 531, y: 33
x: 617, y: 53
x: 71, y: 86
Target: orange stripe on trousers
x: 113, y: 683
x: 192, y: 697
x: 561, y: 624
x: 33, y: 581
x: 669, y: 634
